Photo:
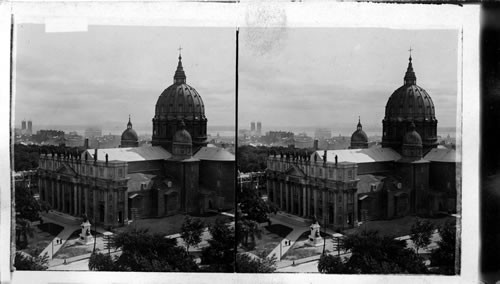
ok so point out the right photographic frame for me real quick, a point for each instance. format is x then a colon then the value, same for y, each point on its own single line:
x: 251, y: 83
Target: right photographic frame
x: 349, y: 150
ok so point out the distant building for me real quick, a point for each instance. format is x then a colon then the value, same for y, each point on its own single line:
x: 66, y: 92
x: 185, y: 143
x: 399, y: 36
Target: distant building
x: 30, y: 128
x: 252, y: 128
x: 259, y: 128
x: 23, y: 126
x: 302, y: 141
x: 92, y: 132
x: 322, y: 133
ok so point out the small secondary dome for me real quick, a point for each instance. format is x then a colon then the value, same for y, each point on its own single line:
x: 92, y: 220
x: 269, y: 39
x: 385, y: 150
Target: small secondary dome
x: 359, y: 139
x: 412, y: 137
x: 182, y: 136
x: 129, y: 136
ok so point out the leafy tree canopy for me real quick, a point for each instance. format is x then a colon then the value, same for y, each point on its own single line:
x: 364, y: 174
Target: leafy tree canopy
x: 373, y: 254
x: 219, y: 256
x: 248, y: 264
x: 192, y: 229
x: 23, y: 261
x: 421, y: 233
x: 444, y: 256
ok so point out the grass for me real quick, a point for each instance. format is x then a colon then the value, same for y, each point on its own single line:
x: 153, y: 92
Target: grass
x: 396, y: 227
x: 271, y: 237
x: 299, y: 250
x: 43, y: 235
x: 71, y: 248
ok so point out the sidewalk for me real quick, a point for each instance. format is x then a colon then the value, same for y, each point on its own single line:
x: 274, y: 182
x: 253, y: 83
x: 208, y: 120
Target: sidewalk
x: 298, y: 225
x: 70, y: 224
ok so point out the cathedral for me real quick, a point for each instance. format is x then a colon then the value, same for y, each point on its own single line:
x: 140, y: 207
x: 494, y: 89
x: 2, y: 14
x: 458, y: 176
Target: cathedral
x: 179, y: 173
x: 408, y: 174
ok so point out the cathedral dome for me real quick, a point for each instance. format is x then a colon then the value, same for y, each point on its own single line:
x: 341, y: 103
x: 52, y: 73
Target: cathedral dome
x: 410, y: 102
x: 179, y: 102
x: 129, y: 136
x: 359, y: 139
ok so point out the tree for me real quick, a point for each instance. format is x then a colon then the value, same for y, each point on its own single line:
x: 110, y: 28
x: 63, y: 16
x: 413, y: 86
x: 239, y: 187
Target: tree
x: 27, y: 207
x: 101, y: 262
x: 24, y: 261
x: 219, y: 256
x: 192, y: 229
x: 247, y: 264
x: 330, y: 264
x: 374, y: 254
x: 142, y: 251
x: 444, y: 256
x: 421, y: 233
x: 248, y: 230
x: 23, y: 231
x: 253, y: 207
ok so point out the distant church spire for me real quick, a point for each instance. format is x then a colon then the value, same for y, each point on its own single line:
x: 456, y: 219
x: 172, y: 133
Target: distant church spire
x: 180, y: 76
x: 410, y: 78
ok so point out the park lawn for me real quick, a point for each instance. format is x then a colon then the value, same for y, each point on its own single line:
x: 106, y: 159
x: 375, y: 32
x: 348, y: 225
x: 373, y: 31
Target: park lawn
x: 71, y: 248
x: 43, y: 235
x: 396, y: 227
x: 169, y: 225
x: 299, y: 250
x: 271, y: 237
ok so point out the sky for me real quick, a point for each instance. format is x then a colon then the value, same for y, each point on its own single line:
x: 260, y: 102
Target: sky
x: 99, y: 77
x: 327, y: 77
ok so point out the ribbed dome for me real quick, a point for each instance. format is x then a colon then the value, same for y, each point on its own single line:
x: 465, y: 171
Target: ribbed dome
x: 180, y: 101
x: 410, y: 102
x: 412, y: 137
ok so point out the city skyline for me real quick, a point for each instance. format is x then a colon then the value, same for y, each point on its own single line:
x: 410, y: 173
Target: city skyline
x: 310, y: 77
x: 110, y: 72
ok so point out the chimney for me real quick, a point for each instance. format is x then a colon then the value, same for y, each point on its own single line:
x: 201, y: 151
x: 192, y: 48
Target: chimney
x: 336, y: 160
x: 324, y: 156
x: 106, y: 158
x: 316, y: 144
x: 86, y: 144
x: 95, y: 155
x: 86, y: 155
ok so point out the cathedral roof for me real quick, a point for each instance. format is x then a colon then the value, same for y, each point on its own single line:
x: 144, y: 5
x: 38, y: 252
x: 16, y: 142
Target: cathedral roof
x: 132, y: 154
x: 369, y: 155
x: 179, y: 100
x: 214, y: 154
x: 442, y: 155
x: 410, y: 102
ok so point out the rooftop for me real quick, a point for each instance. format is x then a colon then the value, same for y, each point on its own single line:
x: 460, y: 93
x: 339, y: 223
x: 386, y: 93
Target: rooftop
x: 214, y: 154
x: 369, y: 155
x: 443, y: 155
x: 132, y: 154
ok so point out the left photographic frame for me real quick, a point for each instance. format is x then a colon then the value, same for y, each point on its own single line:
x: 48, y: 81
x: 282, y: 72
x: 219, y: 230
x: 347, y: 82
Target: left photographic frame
x: 123, y: 141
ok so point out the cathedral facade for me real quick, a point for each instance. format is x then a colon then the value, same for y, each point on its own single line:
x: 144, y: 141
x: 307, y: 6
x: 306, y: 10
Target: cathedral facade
x: 407, y: 175
x: 179, y: 173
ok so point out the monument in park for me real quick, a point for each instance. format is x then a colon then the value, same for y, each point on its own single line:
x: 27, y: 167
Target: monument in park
x: 315, y: 238
x: 85, y: 236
